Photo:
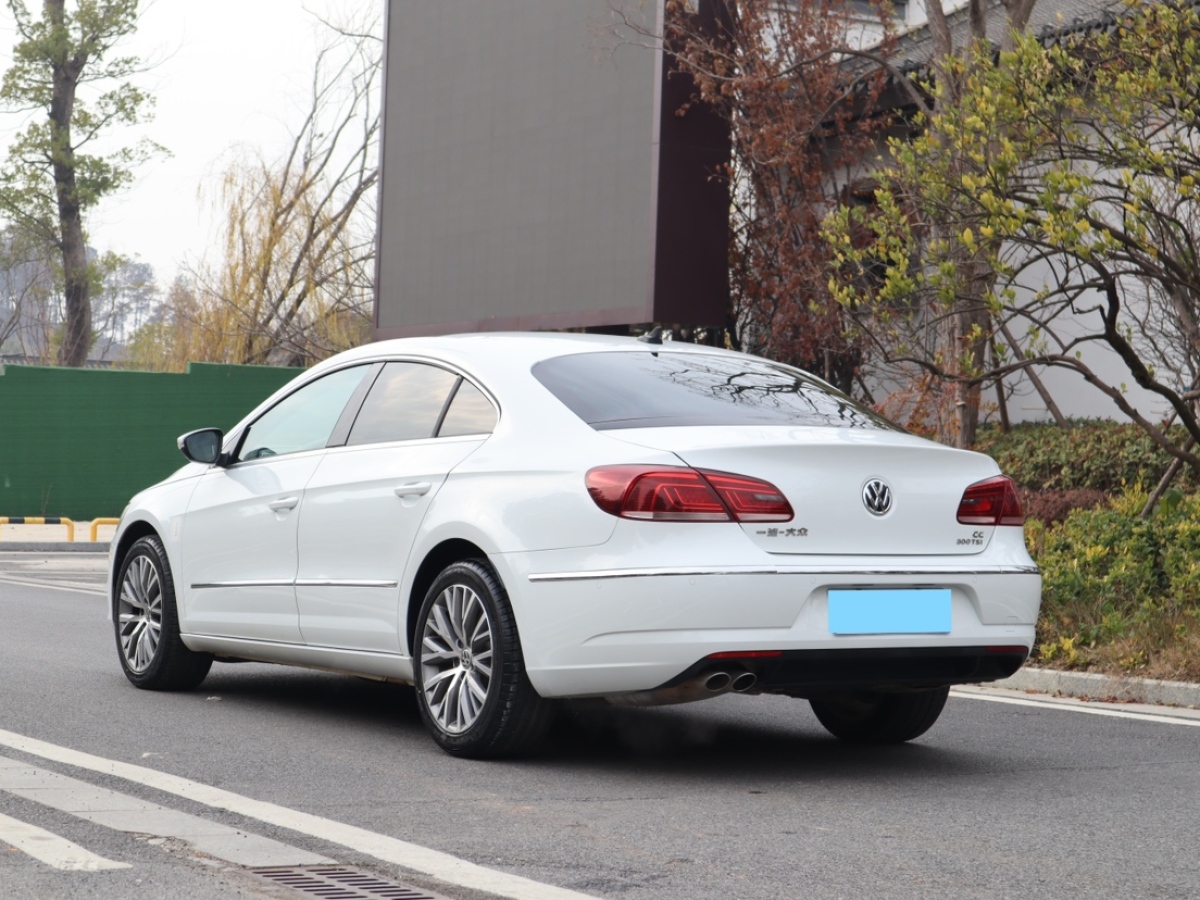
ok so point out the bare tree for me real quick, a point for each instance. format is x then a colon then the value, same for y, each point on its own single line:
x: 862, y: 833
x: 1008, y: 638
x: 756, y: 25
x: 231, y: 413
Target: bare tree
x: 800, y: 122
x: 29, y: 297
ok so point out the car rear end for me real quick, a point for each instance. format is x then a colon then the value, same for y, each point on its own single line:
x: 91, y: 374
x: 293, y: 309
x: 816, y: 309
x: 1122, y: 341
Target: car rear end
x: 788, y: 541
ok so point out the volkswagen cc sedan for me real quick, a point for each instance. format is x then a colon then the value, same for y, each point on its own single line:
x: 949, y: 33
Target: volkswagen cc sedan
x: 505, y: 521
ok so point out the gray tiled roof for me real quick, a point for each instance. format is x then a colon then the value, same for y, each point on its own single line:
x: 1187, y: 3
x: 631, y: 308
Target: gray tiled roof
x: 915, y: 48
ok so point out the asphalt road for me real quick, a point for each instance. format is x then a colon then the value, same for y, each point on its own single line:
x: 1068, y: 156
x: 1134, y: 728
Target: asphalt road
x: 738, y: 797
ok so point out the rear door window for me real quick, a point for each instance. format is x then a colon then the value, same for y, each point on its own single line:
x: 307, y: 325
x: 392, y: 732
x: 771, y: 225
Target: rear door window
x: 404, y: 404
x: 470, y: 412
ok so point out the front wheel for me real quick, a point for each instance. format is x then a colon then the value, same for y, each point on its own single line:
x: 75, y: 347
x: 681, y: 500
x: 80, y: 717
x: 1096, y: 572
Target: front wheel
x: 152, y: 654
x: 873, y: 717
x: 471, y: 686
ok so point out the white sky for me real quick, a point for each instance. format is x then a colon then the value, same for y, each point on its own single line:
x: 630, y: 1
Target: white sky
x: 229, y: 74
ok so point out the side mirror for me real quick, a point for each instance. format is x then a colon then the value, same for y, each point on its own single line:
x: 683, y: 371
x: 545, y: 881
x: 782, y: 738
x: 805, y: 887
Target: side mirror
x: 202, y: 446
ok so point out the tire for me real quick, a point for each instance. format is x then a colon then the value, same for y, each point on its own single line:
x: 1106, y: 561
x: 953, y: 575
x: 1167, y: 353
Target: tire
x: 146, y: 623
x: 471, y: 686
x: 870, y: 717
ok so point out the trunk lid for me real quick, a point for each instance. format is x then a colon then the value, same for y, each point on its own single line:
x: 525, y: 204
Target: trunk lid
x: 824, y: 473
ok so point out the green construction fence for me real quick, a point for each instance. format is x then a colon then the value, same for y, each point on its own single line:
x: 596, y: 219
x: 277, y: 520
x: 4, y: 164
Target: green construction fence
x: 79, y: 443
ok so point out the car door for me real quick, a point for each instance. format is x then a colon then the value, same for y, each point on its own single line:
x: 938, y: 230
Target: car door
x: 238, y: 541
x: 366, y: 500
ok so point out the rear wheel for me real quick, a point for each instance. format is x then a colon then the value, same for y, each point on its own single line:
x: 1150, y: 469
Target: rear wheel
x: 873, y: 717
x: 146, y: 621
x: 472, y: 690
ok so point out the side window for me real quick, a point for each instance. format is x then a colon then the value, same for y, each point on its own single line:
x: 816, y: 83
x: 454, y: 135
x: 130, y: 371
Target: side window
x: 470, y: 412
x: 302, y: 420
x: 404, y: 404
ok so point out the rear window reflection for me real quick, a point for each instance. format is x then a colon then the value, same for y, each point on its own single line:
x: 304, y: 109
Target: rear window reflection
x: 650, y: 389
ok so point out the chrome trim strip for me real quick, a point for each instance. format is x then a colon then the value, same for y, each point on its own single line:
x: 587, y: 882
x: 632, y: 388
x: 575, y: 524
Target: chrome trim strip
x: 239, y: 584
x: 603, y: 574
x: 353, y: 582
x: 303, y: 582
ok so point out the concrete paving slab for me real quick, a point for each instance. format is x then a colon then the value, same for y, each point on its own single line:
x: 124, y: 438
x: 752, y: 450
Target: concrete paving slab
x: 252, y: 851
x: 79, y: 798
x: 157, y: 821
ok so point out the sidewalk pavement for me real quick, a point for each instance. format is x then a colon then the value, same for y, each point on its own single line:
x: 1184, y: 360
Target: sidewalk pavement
x: 1084, y: 685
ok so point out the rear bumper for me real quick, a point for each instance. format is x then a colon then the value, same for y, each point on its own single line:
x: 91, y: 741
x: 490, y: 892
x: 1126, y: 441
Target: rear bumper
x: 592, y: 631
x: 807, y: 673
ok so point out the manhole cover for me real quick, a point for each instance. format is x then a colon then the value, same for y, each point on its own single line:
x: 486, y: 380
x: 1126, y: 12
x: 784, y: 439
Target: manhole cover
x: 341, y: 883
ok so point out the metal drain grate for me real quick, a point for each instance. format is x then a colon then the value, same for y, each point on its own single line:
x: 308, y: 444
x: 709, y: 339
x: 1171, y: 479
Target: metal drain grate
x: 341, y: 883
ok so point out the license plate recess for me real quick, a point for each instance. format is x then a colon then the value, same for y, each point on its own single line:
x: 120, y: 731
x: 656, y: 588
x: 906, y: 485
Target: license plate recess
x: 890, y: 611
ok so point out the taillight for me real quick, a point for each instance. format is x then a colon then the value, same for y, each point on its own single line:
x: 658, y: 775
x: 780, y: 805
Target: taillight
x: 993, y: 501
x: 750, y: 499
x: 671, y: 494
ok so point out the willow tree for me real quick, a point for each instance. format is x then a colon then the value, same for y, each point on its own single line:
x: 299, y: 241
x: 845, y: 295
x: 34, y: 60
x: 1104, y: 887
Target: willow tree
x: 294, y: 283
x: 66, y: 72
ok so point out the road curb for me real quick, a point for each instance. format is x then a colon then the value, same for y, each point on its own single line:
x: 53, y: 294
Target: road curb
x: 54, y: 546
x: 1090, y: 686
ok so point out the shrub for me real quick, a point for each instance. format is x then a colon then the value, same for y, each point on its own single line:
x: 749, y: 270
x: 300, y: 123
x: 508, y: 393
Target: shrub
x: 1090, y: 455
x: 1121, y: 592
x: 1053, y: 506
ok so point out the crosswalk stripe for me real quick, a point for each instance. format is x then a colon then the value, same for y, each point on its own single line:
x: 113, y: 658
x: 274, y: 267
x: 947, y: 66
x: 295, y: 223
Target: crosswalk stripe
x: 132, y: 815
x: 51, y: 849
x: 405, y: 854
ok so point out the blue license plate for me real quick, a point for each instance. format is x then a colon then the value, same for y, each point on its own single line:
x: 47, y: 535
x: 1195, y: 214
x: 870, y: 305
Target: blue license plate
x: 923, y: 611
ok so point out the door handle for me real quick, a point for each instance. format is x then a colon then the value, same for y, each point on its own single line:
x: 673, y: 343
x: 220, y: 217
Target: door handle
x: 285, y: 503
x: 416, y: 489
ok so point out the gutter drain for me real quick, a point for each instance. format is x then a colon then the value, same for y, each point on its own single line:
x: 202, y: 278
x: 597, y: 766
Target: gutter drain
x: 342, y: 883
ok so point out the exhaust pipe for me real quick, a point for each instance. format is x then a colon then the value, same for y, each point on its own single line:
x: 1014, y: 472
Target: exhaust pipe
x: 718, y: 681
x: 744, y: 682
x: 711, y: 684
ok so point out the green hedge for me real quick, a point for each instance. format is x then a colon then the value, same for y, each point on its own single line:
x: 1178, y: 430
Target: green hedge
x: 1097, y: 455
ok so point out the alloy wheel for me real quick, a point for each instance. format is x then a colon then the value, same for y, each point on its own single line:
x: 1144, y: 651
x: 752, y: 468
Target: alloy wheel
x: 139, y: 612
x: 456, y: 658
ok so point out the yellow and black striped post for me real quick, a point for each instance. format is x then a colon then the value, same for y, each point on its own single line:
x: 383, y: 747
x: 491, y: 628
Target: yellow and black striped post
x: 41, y: 520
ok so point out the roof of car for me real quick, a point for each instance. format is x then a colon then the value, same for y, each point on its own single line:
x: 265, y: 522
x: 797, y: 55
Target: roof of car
x: 488, y: 348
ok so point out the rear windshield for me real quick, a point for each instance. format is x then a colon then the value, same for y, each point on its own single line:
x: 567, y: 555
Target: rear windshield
x: 641, y: 389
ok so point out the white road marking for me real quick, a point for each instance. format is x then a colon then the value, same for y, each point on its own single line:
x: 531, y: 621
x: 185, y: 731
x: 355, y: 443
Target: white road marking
x: 415, y: 858
x: 51, y: 849
x: 74, y: 588
x: 1091, y: 709
x: 121, y: 812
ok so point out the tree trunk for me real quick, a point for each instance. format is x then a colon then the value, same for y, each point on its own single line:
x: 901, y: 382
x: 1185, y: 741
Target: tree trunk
x: 966, y: 332
x: 77, y: 321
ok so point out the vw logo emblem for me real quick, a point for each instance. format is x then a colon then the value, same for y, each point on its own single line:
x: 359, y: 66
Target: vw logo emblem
x: 877, y: 496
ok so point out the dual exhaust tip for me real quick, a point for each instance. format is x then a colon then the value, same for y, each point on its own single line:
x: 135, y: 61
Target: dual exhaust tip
x: 699, y: 687
x: 719, y: 682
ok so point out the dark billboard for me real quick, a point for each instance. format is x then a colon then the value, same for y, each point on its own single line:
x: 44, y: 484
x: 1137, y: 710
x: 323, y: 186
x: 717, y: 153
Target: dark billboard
x: 536, y: 174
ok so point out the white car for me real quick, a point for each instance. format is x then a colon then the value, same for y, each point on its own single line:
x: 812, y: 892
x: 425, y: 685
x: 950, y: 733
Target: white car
x: 506, y: 520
